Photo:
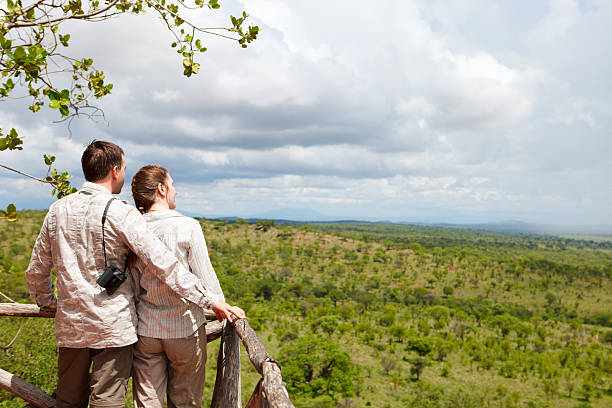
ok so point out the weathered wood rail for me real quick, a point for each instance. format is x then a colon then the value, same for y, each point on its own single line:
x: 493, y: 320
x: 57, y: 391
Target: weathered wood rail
x: 270, y: 391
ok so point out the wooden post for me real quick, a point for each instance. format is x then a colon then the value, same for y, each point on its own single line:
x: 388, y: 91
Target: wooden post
x: 25, y: 390
x: 213, y: 331
x: 213, y: 328
x: 273, y: 390
x: 257, y: 352
x: 227, y: 383
x: 256, y: 400
x: 18, y: 309
x: 31, y: 310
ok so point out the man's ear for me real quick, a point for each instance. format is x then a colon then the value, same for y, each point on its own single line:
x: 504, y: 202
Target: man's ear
x: 115, y: 172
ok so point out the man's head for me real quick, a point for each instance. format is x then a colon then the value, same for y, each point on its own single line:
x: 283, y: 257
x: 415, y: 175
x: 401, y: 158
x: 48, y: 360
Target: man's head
x: 103, y: 162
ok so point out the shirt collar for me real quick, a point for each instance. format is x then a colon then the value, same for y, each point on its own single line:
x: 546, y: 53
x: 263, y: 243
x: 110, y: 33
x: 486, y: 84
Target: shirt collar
x: 161, y: 215
x: 94, y: 188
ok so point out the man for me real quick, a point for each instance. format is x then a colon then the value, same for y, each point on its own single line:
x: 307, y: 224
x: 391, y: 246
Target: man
x: 92, y: 327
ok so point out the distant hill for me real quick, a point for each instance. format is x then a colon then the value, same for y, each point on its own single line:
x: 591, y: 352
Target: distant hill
x: 298, y: 215
x: 525, y: 227
x: 294, y: 214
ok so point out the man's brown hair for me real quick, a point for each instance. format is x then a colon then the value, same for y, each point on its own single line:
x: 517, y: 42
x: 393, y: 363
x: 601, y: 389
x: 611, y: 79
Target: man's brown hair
x: 99, y: 158
x: 144, y: 185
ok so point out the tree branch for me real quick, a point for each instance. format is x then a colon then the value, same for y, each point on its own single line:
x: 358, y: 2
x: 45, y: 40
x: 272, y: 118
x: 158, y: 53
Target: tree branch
x: 33, y: 6
x: 202, y: 30
x: 27, y: 175
x: 67, y: 17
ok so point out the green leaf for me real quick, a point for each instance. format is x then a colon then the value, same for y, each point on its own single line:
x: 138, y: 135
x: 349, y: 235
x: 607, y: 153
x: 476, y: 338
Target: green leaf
x: 64, y: 39
x: 54, y: 104
x: 19, y: 53
x: 33, y: 51
x: 5, y: 43
x: 65, y: 94
x: 49, y: 159
x: 64, y: 110
x: 12, y: 141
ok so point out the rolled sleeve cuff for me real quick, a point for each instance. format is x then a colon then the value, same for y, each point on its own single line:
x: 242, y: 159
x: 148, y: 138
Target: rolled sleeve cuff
x: 49, y: 302
x: 207, y: 302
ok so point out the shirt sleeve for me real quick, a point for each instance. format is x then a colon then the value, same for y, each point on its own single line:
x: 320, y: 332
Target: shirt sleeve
x: 38, y: 274
x: 134, y: 273
x: 161, y: 261
x: 200, y: 264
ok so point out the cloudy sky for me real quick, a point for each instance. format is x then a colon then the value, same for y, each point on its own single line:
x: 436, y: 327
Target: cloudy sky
x: 424, y: 110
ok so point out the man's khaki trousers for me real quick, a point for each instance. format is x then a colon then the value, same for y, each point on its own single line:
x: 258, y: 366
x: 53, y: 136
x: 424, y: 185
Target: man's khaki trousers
x: 105, y: 386
x: 172, y: 366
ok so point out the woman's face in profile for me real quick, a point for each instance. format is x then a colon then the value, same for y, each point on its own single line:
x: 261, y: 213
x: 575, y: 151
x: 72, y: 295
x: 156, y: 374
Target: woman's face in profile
x: 171, y: 193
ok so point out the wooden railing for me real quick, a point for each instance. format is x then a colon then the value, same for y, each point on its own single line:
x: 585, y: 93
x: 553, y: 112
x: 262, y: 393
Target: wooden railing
x: 270, y: 391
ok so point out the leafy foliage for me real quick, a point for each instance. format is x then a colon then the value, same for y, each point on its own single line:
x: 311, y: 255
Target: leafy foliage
x: 31, y: 40
x: 314, y: 366
x: 10, y: 213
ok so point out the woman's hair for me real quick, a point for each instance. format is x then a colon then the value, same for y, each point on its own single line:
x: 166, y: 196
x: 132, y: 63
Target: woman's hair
x: 144, y: 185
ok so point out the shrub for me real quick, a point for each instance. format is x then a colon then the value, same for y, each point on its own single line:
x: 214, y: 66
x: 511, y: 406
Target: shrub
x: 315, y: 366
x: 420, y: 345
x: 418, y: 364
x: 326, y: 323
x: 600, y: 319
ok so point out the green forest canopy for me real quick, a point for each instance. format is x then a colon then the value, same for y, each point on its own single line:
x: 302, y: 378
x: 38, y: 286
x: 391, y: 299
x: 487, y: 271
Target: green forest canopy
x: 390, y: 316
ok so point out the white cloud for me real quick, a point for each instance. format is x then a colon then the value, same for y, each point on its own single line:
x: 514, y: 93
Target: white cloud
x: 166, y: 95
x: 210, y: 158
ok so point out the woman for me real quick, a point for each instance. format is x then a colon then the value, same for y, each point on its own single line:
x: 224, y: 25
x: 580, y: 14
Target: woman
x: 170, y: 354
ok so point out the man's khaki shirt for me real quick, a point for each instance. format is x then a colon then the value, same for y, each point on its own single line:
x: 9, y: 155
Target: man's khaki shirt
x: 162, y: 313
x: 71, y: 242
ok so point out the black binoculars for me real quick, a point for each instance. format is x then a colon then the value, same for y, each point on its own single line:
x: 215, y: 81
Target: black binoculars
x: 111, y: 279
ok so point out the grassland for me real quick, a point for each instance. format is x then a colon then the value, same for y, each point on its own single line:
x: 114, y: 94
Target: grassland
x: 386, y: 315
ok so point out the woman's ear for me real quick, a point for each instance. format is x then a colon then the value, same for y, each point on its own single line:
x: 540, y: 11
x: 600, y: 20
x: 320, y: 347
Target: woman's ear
x: 161, y: 190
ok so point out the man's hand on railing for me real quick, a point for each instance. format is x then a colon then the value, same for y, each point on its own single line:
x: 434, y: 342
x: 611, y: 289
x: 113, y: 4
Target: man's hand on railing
x: 224, y: 311
x: 52, y: 308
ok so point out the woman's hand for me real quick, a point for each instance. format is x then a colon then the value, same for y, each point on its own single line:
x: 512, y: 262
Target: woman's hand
x: 224, y: 311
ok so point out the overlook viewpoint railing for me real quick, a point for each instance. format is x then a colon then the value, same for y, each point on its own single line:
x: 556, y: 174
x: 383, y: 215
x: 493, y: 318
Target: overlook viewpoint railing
x: 270, y: 392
